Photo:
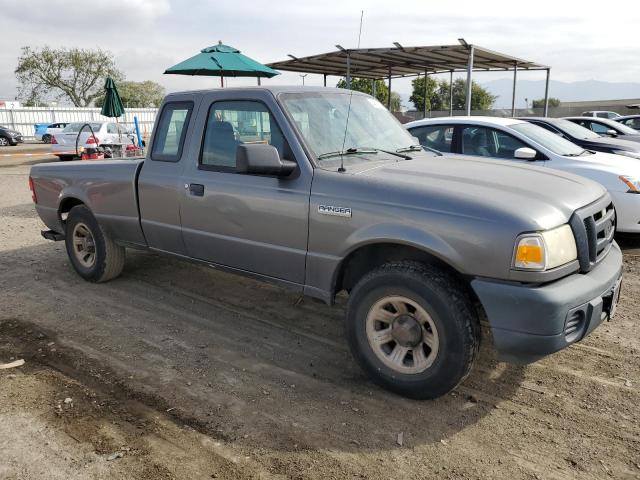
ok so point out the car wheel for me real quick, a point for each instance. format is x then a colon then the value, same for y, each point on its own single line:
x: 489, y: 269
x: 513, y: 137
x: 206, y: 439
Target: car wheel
x: 46, y: 138
x: 413, y: 328
x: 65, y: 158
x: 4, y: 141
x: 92, y: 251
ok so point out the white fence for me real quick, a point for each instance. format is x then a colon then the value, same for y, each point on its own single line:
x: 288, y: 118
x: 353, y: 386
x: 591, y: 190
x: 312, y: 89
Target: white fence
x: 24, y: 118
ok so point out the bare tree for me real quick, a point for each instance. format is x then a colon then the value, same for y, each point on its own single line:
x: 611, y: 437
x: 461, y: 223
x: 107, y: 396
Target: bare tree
x: 75, y: 73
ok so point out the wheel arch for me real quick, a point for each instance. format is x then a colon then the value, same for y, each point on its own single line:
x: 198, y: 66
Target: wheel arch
x: 370, y: 255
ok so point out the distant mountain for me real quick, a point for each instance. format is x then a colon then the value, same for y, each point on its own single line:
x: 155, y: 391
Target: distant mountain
x: 565, y: 91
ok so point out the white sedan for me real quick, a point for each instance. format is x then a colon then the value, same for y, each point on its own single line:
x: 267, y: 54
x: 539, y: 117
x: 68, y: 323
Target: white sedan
x: 520, y: 141
x: 63, y: 144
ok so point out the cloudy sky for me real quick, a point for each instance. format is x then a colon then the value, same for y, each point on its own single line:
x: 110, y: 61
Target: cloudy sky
x: 147, y: 36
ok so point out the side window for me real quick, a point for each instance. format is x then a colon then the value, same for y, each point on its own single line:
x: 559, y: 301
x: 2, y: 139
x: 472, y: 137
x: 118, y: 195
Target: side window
x: 599, y: 128
x: 478, y: 141
x: 507, y: 144
x: 602, y: 115
x: 438, y: 137
x: 170, y: 132
x: 488, y: 142
x: 231, y: 123
x: 112, y: 128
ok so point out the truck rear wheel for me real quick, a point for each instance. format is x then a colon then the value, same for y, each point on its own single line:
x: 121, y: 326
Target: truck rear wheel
x: 92, y: 251
x: 413, y: 328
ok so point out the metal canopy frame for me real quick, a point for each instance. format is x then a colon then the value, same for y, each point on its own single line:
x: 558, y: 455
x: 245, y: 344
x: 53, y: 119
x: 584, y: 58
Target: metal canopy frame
x: 400, y: 61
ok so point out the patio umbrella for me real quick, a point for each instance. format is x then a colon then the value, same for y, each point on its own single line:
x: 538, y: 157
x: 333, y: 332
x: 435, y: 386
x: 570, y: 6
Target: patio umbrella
x: 112, y: 106
x: 222, y: 61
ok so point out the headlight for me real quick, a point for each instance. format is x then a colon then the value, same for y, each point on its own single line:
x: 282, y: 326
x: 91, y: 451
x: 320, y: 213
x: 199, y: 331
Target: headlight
x: 627, y: 154
x: 14, y: 134
x: 632, y: 182
x: 545, y: 250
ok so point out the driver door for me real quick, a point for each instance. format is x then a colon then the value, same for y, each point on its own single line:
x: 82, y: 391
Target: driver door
x: 253, y: 223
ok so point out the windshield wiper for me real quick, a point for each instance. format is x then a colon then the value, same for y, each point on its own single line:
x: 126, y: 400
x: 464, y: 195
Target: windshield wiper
x: 419, y: 148
x: 348, y: 151
x: 410, y: 148
x: 575, y: 154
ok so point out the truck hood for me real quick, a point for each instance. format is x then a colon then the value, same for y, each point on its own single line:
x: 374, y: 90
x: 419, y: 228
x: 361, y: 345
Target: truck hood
x: 546, y: 197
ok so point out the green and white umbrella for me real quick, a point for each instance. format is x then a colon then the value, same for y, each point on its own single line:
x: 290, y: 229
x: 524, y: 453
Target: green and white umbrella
x: 222, y: 61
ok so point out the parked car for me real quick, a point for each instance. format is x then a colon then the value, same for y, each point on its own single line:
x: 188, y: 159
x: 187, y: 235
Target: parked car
x: 586, y: 138
x: 52, y: 129
x: 276, y: 184
x: 609, y: 128
x: 526, y: 143
x: 631, y: 121
x: 63, y: 144
x: 8, y: 136
x: 601, y: 114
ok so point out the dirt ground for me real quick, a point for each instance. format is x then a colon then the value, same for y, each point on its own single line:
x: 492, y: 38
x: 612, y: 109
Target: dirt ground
x: 179, y: 371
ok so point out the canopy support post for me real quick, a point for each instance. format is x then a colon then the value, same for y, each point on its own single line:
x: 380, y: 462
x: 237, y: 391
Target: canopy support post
x: 373, y: 87
x: 348, y: 71
x: 546, y: 94
x: 258, y: 80
x: 389, y: 97
x: 325, y: 79
x: 469, y: 80
x: 451, y: 93
x: 426, y: 83
x: 513, y: 93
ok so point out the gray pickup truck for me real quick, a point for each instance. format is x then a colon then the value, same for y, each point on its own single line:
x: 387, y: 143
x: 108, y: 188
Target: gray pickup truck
x: 323, y: 191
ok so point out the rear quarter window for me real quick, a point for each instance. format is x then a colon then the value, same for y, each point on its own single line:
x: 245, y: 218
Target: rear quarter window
x: 171, y: 131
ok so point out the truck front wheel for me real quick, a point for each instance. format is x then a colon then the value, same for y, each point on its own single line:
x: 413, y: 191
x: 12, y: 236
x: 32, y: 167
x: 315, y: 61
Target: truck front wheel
x: 92, y: 251
x: 413, y: 329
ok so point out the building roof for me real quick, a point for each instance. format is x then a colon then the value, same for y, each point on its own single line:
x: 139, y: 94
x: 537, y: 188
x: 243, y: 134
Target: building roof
x: 404, y: 61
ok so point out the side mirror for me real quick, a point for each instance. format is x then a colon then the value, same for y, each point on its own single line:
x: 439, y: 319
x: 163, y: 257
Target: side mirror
x: 262, y: 159
x: 612, y: 133
x: 525, y: 153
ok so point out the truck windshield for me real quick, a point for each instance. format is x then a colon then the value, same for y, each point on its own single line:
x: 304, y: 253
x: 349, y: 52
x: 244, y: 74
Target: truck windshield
x: 321, y: 119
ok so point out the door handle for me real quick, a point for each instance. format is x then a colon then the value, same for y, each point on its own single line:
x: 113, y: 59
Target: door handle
x: 196, y: 189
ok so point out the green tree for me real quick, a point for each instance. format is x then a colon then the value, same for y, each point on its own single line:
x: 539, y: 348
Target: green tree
x: 434, y: 101
x: 365, y: 85
x: 553, y: 102
x: 395, y: 101
x: 74, y: 73
x: 137, y: 94
x: 438, y: 95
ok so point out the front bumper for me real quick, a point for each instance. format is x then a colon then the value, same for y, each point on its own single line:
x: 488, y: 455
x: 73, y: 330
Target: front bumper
x: 16, y: 140
x: 529, y: 323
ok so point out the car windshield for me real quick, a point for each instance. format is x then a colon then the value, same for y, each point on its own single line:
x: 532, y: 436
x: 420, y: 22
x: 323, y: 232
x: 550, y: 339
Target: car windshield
x: 548, y: 140
x: 75, y: 127
x: 575, y: 130
x: 321, y: 119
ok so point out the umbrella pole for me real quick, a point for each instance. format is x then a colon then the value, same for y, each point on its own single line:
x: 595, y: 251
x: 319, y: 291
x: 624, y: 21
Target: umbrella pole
x: 221, y: 81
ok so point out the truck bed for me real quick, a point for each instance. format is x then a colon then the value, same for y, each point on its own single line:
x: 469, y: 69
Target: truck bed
x: 107, y: 187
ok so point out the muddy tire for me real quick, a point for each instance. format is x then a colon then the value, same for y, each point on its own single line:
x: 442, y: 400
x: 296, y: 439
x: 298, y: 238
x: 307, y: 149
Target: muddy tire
x: 413, y: 329
x: 92, y: 251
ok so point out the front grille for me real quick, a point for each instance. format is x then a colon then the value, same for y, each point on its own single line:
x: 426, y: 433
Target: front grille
x: 593, y: 227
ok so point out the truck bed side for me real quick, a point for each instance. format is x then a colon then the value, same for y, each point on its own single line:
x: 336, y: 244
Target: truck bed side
x: 108, y: 188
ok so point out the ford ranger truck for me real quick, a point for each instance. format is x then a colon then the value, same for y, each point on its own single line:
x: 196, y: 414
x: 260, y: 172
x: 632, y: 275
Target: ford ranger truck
x: 321, y: 190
